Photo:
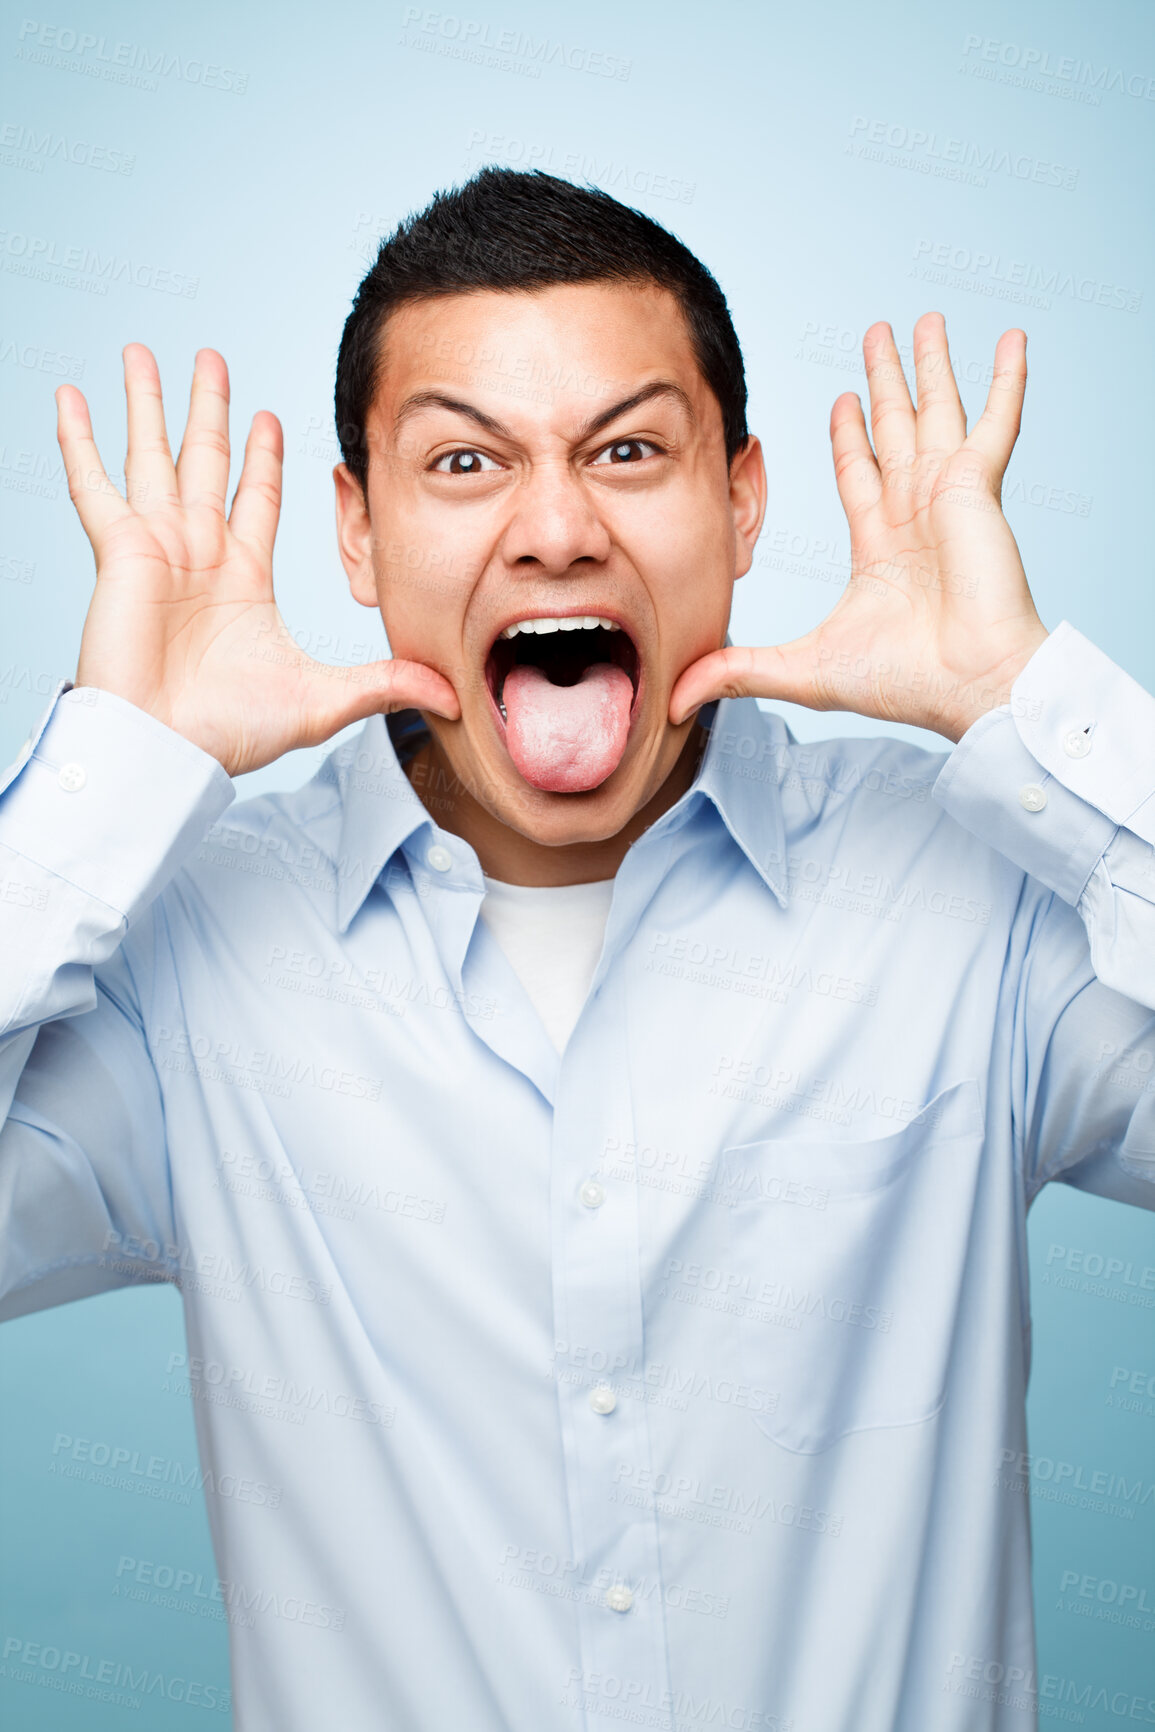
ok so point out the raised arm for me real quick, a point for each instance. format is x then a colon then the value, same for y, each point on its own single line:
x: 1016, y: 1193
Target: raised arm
x: 114, y: 792
x: 1054, y: 760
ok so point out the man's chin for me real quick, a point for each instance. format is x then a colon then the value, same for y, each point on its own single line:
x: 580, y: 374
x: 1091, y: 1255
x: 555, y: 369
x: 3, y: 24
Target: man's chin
x: 473, y: 787
x: 588, y: 816
x: 555, y: 820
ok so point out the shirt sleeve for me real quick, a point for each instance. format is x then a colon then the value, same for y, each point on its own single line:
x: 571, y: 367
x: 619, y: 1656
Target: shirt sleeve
x: 1062, y: 782
x: 96, y: 815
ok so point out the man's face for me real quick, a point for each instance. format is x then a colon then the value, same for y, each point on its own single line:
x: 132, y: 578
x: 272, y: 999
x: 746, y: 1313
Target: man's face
x: 551, y: 456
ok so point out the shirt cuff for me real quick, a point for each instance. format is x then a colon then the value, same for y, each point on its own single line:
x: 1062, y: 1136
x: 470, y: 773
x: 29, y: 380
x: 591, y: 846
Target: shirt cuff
x: 1049, y: 778
x: 109, y: 799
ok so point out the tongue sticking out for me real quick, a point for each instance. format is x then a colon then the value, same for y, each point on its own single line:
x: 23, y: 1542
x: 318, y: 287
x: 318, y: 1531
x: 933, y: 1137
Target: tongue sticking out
x: 567, y: 739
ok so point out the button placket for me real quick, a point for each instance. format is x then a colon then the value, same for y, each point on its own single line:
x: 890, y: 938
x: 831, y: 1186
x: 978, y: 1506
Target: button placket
x: 598, y: 1300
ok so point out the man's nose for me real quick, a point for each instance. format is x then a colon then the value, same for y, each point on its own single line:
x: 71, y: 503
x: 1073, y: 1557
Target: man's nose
x: 554, y: 523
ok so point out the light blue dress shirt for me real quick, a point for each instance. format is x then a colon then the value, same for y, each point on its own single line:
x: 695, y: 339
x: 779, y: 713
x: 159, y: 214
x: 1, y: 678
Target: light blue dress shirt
x: 677, y: 1380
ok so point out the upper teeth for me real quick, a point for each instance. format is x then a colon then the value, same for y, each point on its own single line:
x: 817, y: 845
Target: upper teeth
x: 574, y: 622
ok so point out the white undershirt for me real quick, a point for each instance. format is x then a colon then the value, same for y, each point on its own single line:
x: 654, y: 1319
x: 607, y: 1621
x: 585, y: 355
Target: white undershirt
x: 553, y: 938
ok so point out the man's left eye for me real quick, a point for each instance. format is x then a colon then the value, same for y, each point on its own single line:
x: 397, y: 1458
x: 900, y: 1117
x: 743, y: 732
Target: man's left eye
x: 626, y: 451
x: 464, y: 463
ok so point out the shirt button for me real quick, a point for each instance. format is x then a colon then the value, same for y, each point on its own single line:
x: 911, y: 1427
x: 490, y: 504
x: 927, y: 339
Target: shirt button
x: 603, y: 1399
x: 1032, y: 798
x: 72, y: 777
x: 619, y: 1598
x: 592, y: 1194
x: 439, y: 858
x: 1076, y: 743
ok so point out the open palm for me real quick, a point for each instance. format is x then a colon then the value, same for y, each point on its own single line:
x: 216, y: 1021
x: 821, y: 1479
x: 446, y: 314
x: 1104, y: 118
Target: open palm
x: 183, y: 621
x: 936, y: 620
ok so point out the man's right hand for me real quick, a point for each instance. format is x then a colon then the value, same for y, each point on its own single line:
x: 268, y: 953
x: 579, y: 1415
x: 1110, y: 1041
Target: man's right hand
x: 183, y: 622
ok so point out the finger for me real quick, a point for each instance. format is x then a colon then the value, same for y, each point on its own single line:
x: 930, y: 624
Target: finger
x: 942, y: 422
x: 341, y: 696
x: 96, y: 500
x: 855, y: 470
x: 892, y: 420
x: 202, y: 469
x: 994, y: 433
x: 786, y: 671
x: 148, y: 467
x: 257, y: 502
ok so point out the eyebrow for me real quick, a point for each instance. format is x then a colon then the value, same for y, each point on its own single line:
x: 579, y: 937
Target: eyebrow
x: 439, y: 400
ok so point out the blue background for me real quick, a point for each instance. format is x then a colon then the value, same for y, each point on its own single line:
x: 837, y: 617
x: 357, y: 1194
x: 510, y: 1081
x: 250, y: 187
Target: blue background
x: 820, y: 159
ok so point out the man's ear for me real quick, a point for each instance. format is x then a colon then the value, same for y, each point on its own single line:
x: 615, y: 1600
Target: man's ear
x: 747, y: 502
x: 354, y: 536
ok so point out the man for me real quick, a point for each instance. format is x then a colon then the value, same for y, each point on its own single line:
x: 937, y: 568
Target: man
x: 592, y: 1133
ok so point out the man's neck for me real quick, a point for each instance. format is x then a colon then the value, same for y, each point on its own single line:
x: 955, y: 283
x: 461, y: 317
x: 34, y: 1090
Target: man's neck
x: 509, y: 856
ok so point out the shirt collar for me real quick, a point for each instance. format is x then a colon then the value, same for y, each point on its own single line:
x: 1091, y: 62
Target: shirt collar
x: 379, y: 808
x: 740, y: 775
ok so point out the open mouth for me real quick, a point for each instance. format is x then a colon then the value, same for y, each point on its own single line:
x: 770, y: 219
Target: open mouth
x: 566, y: 689
x: 563, y: 649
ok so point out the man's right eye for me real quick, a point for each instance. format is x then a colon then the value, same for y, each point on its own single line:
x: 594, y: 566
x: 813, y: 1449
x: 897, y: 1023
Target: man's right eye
x: 464, y: 463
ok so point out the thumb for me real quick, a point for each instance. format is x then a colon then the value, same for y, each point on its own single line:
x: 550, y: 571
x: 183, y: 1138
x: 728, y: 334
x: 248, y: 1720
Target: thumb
x: 786, y: 671
x: 341, y: 696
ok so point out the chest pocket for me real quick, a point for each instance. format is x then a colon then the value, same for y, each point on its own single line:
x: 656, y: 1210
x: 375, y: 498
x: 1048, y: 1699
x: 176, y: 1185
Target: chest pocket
x: 850, y: 1259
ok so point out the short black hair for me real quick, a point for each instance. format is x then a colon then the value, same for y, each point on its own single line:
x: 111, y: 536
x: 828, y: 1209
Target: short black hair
x: 525, y: 229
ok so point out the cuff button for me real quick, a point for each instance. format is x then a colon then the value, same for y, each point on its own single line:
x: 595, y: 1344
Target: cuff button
x: 72, y: 777
x: 1032, y: 797
x: 1076, y: 743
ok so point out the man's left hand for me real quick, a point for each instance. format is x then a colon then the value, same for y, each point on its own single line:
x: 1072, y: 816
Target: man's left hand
x: 936, y: 621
